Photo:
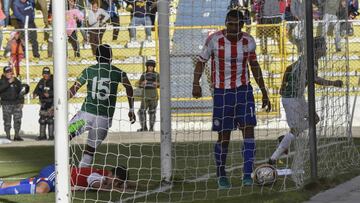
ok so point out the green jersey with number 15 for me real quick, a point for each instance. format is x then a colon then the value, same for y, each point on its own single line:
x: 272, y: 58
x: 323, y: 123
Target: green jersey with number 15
x: 102, y: 84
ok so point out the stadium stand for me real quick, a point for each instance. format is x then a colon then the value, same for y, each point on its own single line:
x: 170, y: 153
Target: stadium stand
x: 193, y: 21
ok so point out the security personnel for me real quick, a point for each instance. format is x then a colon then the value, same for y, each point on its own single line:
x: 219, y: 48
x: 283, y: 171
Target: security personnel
x: 149, y: 81
x: 12, y: 100
x: 45, y: 90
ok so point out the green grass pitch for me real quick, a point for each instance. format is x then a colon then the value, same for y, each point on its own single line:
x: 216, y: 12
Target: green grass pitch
x: 144, y: 162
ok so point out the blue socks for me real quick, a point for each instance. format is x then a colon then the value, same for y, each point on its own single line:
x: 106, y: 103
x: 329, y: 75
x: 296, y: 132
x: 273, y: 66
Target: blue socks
x: 248, y: 156
x: 18, y: 189
x: 221, y: 151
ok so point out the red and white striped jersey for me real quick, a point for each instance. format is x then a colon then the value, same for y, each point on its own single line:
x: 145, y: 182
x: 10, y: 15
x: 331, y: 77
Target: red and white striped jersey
x: 229, y: 59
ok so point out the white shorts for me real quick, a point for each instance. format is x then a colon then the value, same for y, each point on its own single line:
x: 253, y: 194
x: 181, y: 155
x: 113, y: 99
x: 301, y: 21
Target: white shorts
x: 296, y: 110
x: 96, y: 125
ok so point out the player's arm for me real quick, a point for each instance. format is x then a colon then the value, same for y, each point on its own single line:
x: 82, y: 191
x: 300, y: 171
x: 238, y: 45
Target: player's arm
x: 80, y: 81
x: 199, y: 69
x: 130, y: 95
x: 202, y: 58
x: 257, y: 73
x: 285, y: 78
x: 73, y: 89
x: 322, y: 81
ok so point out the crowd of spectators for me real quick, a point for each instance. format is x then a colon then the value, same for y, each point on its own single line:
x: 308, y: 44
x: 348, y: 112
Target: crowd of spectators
x: 91, y: 16
x: 96, y: 14
x: 275, y: 11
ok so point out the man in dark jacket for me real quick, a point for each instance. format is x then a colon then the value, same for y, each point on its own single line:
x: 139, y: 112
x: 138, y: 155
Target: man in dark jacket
x: 21, y: 9
x: 12, y: 99
x: 45, y: 90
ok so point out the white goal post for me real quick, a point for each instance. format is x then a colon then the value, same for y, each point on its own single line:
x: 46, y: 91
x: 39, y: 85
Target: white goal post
x: 60, y: 103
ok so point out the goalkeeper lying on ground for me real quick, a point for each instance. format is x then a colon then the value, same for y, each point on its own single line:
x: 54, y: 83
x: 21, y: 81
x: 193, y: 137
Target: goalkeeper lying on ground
x: 81, y: 178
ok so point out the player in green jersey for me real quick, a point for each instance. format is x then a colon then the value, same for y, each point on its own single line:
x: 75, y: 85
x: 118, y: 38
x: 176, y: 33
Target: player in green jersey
x: 293, y: 100
x: 98, y: 108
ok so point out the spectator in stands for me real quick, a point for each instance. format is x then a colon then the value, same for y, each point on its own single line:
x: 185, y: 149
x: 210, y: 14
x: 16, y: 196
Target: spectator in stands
x: 50, y: 38
x: 17, y: 51
x: 43, y: 7
x: 96, y: 19
x: 73, y: 17
x: 45, y: 90
x: 343, y: 15
x: 21, y: 9
x: 112, y: 6
x: 149, y: 81
x: 83, y: 6
x: 348, y: 10
x: 12, y: 99
x: 6, y: 4
x: 295, y: 30
x: 140, y: 16
x: 2, y: 24
x: 353, y: 7
x: 152, y: 14
x: 287, y: 13
x: 268, y: 12
x: 330, y: 10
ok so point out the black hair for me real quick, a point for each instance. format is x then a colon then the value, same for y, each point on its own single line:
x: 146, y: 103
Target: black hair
x: 234, y: 13
x: 121, y: 173
x: 150, y: 63
x: 92, y: 2
x: 104, y: 53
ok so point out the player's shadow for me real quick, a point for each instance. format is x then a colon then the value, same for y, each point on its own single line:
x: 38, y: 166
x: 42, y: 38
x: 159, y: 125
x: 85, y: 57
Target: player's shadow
x: 6, y: 201
x: 18, y: 174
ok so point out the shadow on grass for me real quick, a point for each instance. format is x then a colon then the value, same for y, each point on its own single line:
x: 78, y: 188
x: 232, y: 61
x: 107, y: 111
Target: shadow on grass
x: 6, y: 201
x: 18, y: 174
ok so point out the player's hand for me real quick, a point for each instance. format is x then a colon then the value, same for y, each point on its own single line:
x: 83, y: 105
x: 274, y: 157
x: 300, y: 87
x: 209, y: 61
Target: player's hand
x: 196, y: 91
x: 266, y: 103
x: 338, y: 83
x: 132, y: 117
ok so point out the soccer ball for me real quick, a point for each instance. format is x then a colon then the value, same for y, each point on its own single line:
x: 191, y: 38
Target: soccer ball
x: 265, y: 174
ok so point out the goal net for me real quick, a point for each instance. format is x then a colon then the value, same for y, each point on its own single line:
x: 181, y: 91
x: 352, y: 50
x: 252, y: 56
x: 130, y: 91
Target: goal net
x: 134, y: 41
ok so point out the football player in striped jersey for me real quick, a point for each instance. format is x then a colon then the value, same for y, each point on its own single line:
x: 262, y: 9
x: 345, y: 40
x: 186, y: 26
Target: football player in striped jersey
x: 231, y: 51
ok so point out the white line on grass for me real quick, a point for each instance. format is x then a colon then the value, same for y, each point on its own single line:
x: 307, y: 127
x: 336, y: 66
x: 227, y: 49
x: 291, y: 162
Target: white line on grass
x: 207, y: 176
x: 144, y: 194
